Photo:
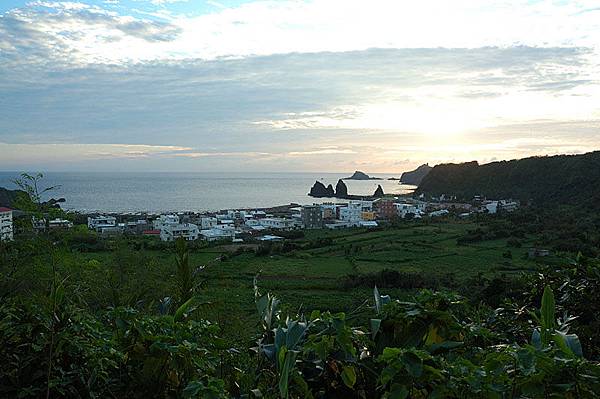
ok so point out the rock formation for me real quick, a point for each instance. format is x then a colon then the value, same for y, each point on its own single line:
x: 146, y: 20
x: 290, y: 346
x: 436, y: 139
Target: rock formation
x: 319, y: 190
x: 358, y: 175
x: 341, y: 190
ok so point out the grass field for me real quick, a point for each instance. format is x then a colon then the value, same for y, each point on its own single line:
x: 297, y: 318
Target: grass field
x: 314, y: 278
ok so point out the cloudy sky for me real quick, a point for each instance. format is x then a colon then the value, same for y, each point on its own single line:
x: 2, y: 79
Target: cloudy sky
x: 290, y: 85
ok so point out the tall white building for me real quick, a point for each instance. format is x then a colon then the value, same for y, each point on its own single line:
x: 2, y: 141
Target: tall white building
x: 6, y: 224
x: 353, y: 212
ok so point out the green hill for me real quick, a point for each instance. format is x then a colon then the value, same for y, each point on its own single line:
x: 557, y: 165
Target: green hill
x: 561, y: 179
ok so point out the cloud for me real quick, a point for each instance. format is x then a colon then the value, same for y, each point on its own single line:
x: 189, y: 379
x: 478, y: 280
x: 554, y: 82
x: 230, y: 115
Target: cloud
x: 327, y: 151
x: 59, y: 34
x: 93, y: 34
x: 22, y: 154
x: 296, y: 85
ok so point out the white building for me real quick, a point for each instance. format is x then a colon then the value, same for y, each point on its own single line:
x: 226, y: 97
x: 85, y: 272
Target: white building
x: 270, y: 238
x: 188, y: 231
x: 508, y: 205
x: 337, y: 225
x: 38, y: 225
x: 6, y: 224
x: 59, y: 224
x: 279, y: 223
x: 165, y: 220
x: 490, y: 207
x: 368, y: 224
x: 441, y: 212
x: 207, y: 222
x: 353, y: 212
x: 221, y: 232
x: 102, y: 222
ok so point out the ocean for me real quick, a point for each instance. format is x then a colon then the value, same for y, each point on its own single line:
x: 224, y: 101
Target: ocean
x: 163, y: 192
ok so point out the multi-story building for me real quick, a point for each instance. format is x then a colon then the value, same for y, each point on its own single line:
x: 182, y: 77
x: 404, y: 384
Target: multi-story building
x: 329, y: 211
x: 137, y: 227
x: 385, y: 209
x: 6, y: 224
x: 188, y: 231
x: 311, y: 216
x: 367, y: 215
x: 165, y: 220
x: 353, y: 212
x: 207, y: 222
x: 404, y: 209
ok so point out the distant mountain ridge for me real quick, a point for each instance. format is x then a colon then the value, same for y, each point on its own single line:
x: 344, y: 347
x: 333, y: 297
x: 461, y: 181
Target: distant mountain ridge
x: 560, y: 179
x: 415, y: 177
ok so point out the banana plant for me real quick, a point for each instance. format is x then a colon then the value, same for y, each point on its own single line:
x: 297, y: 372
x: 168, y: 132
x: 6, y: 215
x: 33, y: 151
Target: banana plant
x: 547, y: 331
x: 280, y: 345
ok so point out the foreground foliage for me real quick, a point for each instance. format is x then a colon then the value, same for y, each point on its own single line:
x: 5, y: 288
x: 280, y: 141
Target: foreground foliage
x: 541, y: 342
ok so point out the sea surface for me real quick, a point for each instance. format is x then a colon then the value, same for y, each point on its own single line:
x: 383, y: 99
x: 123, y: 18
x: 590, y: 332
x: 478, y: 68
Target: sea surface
x: 163, y: 192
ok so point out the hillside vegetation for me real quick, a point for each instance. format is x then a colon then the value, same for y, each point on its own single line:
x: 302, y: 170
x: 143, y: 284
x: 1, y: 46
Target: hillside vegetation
x: 562, y: 179
x: 468, y: 315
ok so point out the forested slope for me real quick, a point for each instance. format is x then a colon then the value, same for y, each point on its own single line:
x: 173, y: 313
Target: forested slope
x: 562, y: 179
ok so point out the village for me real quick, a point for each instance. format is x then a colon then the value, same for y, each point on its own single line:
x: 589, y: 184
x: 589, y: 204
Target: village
x: 263, y: 224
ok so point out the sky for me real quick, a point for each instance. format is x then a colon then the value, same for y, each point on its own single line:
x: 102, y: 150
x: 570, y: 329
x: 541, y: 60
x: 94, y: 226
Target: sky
x: 294, y: 86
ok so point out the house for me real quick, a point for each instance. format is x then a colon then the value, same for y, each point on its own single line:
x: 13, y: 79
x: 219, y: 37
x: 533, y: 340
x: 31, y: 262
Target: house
x: 367, y: 223
x: 110, y: 230
x: 270, y: 238
x: 218, y: 233
x: 59, y: 224
x: 208, y: 222
x: 278, y: 223
x: 137, y: 227
x: 404, y: 209
x: 6, y: 224
x: 258, y: 214
x: 151, y: 233
x: 508, y: 205
x: 337, y: 225
x: 188, y: 231
x: 441, y: 212
x: 311, y: 217
x: 165, y: 220
x: 254, y: 225
x: 101, y: 222
x: 490, y: 207
x: 38, y: 225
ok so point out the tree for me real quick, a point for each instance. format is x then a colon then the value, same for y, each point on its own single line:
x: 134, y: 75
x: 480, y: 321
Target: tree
x: 30, y: 184
x: 31, y: 201
x: 185, y: 277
